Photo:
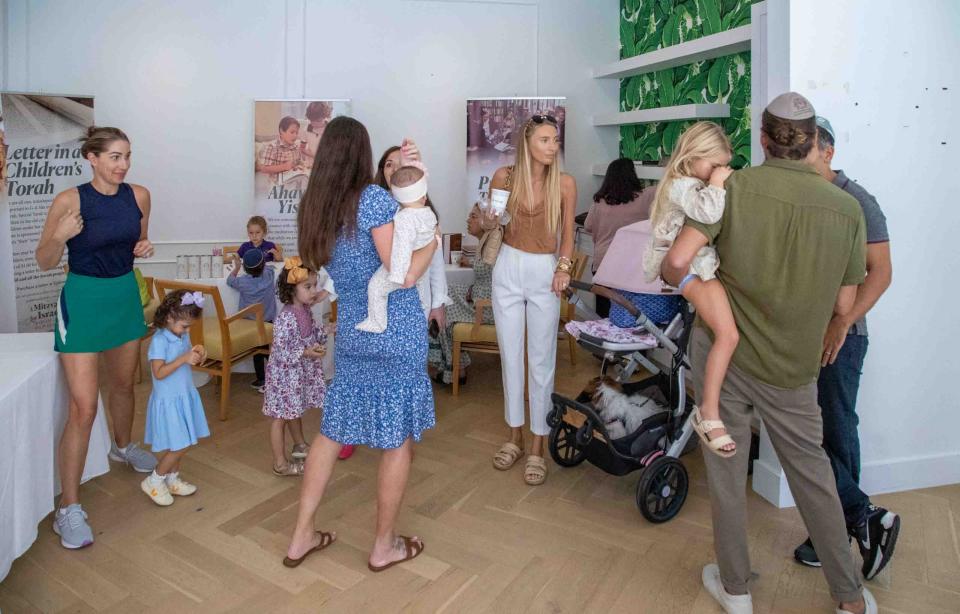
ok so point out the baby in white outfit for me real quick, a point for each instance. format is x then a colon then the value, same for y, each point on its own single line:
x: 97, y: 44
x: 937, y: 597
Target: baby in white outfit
x: 414, y: 226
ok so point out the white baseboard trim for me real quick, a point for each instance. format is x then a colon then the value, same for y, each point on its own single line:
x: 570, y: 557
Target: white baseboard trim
x: 877, y: 477
x: 910, y: 473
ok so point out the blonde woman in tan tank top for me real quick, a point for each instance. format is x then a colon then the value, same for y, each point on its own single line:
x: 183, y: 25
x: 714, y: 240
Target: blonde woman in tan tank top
x: 528, y: 279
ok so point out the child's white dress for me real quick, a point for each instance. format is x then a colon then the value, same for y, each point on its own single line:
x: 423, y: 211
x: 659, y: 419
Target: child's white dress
x: 688, y: 197
x: 413, y: 228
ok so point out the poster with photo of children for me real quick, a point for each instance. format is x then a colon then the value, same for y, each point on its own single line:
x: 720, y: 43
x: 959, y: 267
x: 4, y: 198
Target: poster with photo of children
x: 493, y: 127
x: 286, y: 136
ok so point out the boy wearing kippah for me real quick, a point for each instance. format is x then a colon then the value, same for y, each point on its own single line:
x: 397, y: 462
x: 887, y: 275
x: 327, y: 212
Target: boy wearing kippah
x: 257, y: 286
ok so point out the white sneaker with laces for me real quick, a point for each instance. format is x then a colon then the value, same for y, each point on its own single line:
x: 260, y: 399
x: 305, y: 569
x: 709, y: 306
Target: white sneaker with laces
x: 731, y: 604
x: 179, y: 487
x: 157, y: 490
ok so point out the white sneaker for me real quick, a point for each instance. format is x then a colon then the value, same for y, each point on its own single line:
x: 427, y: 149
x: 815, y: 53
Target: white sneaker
x: 178, y: 487
x: 156, y: 490
x: 868, y: 600
x: 731, y: 604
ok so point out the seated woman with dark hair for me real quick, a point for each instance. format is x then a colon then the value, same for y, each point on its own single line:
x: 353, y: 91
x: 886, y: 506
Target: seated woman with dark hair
x: 620, y: 201
x: 461, y: 309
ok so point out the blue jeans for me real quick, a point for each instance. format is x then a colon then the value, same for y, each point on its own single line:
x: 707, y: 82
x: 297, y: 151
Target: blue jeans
x: 837, y: 395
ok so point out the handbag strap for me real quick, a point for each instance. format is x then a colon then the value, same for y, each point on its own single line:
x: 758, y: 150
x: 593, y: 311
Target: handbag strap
x: 509, y: 178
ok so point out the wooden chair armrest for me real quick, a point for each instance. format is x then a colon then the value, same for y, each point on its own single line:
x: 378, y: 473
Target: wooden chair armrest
x: 256, y: 308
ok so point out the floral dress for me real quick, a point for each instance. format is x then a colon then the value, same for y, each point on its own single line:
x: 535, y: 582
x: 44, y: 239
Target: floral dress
x: 294, y: 382
x: 380, y: 395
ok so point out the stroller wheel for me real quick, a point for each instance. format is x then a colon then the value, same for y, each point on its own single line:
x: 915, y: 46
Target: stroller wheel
x: 585, y: 434
x: 553, y: 416
x: 662, y: 489
x: 563, y: 446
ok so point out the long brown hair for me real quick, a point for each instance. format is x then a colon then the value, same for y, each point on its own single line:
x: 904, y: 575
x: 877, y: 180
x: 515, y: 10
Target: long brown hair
x: 341, y: 170
x: 381, y: 178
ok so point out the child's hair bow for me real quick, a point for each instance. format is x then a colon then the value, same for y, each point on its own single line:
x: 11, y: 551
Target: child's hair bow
x: 192, y: 298
x: 296, y: 272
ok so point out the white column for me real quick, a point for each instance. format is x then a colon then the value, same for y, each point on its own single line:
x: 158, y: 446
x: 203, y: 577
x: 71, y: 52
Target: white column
x: 770, y: 71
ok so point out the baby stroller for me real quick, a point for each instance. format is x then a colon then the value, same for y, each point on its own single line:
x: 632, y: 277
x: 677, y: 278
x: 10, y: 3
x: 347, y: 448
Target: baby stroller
x: 577, y: 431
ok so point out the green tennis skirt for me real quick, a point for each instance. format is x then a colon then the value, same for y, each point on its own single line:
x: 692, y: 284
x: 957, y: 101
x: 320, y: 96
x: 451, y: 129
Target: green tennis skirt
x: 98, y: 313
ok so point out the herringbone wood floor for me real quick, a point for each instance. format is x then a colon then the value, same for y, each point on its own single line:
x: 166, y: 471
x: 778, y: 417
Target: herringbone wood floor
x: 576, y: 544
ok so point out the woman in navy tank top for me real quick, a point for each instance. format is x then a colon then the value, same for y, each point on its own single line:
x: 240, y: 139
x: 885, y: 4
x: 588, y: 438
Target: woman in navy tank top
x: 103, y: 226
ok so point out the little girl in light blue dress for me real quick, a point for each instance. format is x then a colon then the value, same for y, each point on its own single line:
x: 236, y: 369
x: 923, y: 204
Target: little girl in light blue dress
x: 175, y: 418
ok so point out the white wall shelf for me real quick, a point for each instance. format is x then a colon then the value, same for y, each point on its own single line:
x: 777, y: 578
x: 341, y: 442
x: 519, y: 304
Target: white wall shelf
x: 644, y: 171
x: 705, y: 48
x: 663, y: 114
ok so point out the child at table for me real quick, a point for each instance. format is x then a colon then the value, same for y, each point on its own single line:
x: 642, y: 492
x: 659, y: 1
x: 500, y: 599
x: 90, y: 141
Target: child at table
x: 257, y: 286
x: 257, y: 233
x: 175, y: 418
x: 295, y: 380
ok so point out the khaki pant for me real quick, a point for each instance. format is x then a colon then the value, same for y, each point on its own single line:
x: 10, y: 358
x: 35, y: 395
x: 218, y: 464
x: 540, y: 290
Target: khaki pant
x: 792, y: 418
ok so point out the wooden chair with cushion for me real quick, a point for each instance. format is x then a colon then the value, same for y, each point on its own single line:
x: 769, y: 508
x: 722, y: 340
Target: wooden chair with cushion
x: 568, y: 311
x: 228, y: 339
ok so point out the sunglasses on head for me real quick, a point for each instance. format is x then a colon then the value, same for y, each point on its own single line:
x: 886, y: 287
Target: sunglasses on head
x: 539, y: 119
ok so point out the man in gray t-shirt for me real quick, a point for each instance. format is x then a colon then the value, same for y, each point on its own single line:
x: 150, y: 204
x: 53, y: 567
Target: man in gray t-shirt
x: 845, y: 347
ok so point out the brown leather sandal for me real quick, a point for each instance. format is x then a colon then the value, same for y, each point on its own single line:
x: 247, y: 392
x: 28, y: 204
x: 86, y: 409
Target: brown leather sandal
x: 325, y: 540
x: 414, y: 548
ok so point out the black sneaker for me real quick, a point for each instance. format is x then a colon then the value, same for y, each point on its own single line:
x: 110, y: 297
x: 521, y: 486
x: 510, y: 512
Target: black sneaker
x: 256, y: 384
x: 806, y: 555
x: 877, y: 538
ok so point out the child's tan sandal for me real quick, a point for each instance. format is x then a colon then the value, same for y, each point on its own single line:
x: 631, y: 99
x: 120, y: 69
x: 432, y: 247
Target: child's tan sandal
x: 535, y: 472
x: 703, y: 427
x: 507, y: 456
x: 289, y: 470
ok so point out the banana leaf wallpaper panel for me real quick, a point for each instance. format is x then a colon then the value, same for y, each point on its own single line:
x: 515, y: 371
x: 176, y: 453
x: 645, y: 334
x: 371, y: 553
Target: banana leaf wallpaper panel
x: 647, y: 25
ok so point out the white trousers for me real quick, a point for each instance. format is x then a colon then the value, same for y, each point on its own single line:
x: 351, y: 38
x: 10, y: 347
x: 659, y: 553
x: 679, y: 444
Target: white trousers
x: 525, y: 307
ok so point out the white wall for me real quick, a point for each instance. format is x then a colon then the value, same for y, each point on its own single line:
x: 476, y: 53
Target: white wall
x: 180, y: 77
x: 884, y: 73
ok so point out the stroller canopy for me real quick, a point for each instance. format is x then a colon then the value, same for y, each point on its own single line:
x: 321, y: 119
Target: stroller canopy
x: 622, y: 266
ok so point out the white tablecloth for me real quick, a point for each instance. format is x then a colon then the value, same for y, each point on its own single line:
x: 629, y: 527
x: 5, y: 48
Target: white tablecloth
x: 33, y: 410
x: 459, y: 275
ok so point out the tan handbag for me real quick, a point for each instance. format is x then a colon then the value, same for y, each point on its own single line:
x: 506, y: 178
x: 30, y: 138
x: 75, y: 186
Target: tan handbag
x: 492, y: 239
x: 490, y: 244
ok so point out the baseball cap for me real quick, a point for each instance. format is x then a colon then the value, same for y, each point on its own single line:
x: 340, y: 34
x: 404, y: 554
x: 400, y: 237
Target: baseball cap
x: 824, y: 124
x: 791, y: 106
x: 252, y: 258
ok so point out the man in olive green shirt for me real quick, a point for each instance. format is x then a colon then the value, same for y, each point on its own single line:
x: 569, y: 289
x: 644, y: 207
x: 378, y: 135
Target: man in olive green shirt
x: 792, y: 250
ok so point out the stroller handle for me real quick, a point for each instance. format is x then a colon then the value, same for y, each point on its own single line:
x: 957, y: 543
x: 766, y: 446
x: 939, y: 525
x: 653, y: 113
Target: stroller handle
x: 604, y: 292
x: 642, y: 320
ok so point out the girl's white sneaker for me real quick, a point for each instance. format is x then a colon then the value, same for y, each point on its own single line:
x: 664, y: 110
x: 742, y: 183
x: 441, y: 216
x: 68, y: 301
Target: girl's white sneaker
x: 178, y: 487
x: 156, y: 490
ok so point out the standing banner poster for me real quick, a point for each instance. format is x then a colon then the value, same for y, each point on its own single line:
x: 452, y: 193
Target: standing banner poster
x: 39, y: 157
x: 286, y: 135
x: 493, y: 127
